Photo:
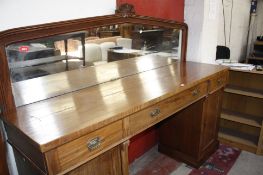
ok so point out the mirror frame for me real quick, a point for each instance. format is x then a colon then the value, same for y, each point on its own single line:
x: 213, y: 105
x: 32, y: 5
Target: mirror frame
x: 124, y: 14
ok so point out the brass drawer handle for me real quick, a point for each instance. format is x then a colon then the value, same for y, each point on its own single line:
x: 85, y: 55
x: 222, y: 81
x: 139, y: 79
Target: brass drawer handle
x: 155, y: 112
x: 94, y: 143
x: 219, y: 82
x: 195, y: 92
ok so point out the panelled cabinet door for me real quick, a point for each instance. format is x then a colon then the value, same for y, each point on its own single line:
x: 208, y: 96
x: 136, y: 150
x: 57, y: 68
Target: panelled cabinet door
x: 191, y: 134
x: 180, y: 134
x: 211, y: 112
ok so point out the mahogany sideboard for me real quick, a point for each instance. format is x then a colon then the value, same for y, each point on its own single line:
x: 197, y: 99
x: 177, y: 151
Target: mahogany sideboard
x: 80, y: 129
x: 80, y: 121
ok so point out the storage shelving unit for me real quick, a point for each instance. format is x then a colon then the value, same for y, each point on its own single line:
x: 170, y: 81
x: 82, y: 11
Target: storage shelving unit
x: 242, y: 111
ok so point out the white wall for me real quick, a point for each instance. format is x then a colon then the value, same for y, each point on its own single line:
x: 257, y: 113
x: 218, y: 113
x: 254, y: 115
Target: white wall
x: 17, y: 13
x: 201, y: 17
x: 194, y: 17
x: 259, y: 22
x: 210, y: 31
x: 205, y: 21
x: 236, y: 40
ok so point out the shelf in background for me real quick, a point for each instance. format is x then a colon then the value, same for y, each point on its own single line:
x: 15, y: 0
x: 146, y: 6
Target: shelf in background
x: 242, y: 118
x: 244, y: 91
x: 256, y: 58
x: 236, y: 139
x: 254, y: 71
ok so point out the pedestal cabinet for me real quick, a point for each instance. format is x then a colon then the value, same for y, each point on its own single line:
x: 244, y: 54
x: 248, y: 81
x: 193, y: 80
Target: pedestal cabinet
x: 191, y: 134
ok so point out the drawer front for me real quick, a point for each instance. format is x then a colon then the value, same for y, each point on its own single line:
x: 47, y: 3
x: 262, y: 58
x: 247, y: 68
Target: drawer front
x: 81, y: 149
x: 151, y: 115
x: 218, y: 82
x: 108, y: 163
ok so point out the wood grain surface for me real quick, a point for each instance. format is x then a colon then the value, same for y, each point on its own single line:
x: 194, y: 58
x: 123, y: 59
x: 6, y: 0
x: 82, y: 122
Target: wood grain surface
x: 55, y: 121
x: 33, y: 90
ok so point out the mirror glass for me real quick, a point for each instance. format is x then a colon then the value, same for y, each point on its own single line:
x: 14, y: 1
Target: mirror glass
x: 34, y: 63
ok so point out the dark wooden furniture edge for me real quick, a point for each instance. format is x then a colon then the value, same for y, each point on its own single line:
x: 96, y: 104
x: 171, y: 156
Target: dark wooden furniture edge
x: 16, y: 149
x: 185, y: 158
x: 29, y: 150
x: 3, y: 164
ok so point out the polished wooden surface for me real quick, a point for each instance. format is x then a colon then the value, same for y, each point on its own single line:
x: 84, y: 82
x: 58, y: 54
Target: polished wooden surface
x: 55, y: 121
x: 33, y: 90
x: 217, y: 82
x: 77, y: 151
x: 124, y: 158
x: 211, y: 114
x: 188, y: 122
x: 160, y: 111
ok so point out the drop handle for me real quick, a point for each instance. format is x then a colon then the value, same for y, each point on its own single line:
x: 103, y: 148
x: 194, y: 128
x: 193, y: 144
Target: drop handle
x: 155, y: 112
x: 219, y: 82
x: 195, y: 92
x: 94, y: 143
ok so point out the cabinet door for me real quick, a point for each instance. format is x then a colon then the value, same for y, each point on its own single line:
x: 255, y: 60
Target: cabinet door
x: 180, y: 134
x: 211, y: 112
x: 191, y: 134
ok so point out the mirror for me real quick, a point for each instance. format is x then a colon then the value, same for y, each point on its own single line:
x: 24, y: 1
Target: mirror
x: 44, y: 66
x: 66, y: 52
x: 42, y: 57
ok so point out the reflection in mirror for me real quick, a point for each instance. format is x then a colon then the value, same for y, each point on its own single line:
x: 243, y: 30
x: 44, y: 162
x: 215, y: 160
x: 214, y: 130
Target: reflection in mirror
x: 139, y: 40
x: 41, y: 57
x: 47, y: 57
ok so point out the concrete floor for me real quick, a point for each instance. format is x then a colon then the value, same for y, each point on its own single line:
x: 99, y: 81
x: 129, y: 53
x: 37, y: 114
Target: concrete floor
x: 247, y: 164
x: 156, y: 163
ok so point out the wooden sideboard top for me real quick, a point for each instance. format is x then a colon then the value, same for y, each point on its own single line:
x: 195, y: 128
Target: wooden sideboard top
x: 30, y: 91
x: 55, y: 121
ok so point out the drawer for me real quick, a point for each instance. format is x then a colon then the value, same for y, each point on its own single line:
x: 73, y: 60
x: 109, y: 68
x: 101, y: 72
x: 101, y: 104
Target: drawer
x: 153, y: 114
x: 218, y: 82
x: 79, y: 150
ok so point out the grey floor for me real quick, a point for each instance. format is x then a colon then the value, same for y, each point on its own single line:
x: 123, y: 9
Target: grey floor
x: 246, y: 164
